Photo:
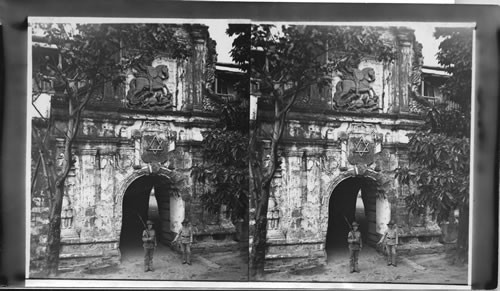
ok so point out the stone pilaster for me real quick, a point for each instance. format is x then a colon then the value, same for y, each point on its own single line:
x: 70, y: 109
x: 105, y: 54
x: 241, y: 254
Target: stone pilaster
x: 303, y: 179
x: 404, y: 62
x: 97, y: 176
x: 199, y: 67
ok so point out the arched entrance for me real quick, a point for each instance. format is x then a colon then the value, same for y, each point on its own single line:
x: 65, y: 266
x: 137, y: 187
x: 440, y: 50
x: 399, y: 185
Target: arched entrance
x: 147, y: 197
x: 353, y: 199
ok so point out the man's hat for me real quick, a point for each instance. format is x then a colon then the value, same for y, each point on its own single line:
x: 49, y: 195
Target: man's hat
x: 150, y: 222
x: 391, y: 222
x: 355, y: 223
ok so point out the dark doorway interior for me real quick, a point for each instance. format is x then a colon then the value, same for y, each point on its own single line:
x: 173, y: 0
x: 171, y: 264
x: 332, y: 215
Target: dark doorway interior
x: 346, y: 205
x: 137, y: 205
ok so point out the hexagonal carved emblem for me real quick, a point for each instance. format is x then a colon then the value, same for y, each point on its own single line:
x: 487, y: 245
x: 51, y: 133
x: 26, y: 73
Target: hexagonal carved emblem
x: 157, y: 141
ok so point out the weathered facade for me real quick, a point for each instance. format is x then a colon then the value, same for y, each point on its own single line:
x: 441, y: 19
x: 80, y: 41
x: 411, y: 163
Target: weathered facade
x: 338, y: 146
x: 132, y: 160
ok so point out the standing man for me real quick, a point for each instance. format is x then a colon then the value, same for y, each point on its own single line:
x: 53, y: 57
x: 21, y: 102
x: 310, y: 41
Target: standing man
x: 390, y: 238
x: 186, y: 239
x: 355, y: 245
x: 149, y: 244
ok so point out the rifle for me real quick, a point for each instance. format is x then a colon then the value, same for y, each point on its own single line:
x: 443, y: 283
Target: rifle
x: 348, y: 224
x: 350, y: 227
x: 145, y: 226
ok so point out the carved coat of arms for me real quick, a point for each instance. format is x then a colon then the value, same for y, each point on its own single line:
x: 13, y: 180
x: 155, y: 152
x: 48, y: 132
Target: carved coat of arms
x: 361, y: 144
x: 156, y: 142
x: 148, y: 89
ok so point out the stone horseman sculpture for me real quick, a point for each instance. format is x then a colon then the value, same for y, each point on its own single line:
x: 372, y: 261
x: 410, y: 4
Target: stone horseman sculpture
x: 354, y: 91
x: 148, y: 89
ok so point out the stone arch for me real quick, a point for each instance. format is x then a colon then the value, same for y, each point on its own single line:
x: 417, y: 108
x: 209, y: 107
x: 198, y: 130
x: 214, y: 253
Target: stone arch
x: 120, y: 193
x: 356, y: 172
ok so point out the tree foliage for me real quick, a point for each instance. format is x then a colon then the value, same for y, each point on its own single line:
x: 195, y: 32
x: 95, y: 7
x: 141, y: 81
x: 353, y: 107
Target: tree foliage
x: 224, y: 172
x: 455, y: 55
x: 440, y: 169
x: 240, y: 50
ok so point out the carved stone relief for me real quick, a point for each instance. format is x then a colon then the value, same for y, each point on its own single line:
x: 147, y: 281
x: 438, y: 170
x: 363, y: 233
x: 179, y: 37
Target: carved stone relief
x: 148, y: 89
x: 354, y: 91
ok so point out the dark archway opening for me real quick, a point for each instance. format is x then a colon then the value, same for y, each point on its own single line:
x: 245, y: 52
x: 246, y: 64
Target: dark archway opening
x: 146, y: 198
x: 352, y: 200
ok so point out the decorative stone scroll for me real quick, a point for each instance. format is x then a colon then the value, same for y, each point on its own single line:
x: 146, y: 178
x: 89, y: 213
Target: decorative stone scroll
x: 148, y: 89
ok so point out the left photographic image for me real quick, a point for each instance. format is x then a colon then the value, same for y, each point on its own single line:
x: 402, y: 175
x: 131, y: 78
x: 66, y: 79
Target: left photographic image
x: 137, y: 146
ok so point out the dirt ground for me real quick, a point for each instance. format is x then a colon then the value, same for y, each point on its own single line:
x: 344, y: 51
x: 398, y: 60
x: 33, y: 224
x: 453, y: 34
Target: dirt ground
x: 428, y: 268
x: 233, y: 266
x: 221, y: 266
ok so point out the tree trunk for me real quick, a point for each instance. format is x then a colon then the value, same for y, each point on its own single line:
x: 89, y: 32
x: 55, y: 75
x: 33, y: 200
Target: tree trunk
x: 258, y: 253
x: 263, y: 175
x: 54, y: 235
x: 463, y: 234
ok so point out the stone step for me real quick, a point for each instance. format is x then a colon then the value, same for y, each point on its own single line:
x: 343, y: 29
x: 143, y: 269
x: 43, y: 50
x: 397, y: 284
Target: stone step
x: 411, y: 249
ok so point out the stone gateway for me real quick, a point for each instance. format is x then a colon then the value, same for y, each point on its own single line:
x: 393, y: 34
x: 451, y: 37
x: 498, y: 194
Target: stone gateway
x: 133, y: 157
x: 338, y: 165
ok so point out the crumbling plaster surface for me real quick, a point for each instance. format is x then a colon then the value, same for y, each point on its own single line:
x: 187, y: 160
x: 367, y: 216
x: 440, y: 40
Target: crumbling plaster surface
x: 107, y: 165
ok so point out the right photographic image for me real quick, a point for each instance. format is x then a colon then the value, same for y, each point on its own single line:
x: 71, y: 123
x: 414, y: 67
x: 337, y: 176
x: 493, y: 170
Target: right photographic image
x: 360, y: 137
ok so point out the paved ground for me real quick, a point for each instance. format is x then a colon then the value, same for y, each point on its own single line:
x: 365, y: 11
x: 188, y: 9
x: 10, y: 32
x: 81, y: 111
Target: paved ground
x: 222, y: 266
x: 432, y: 268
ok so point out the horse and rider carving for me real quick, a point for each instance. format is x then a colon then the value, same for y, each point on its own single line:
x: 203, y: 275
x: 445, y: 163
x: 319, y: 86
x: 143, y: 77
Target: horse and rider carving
x: 148, y: 89
x: 354, y: 92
